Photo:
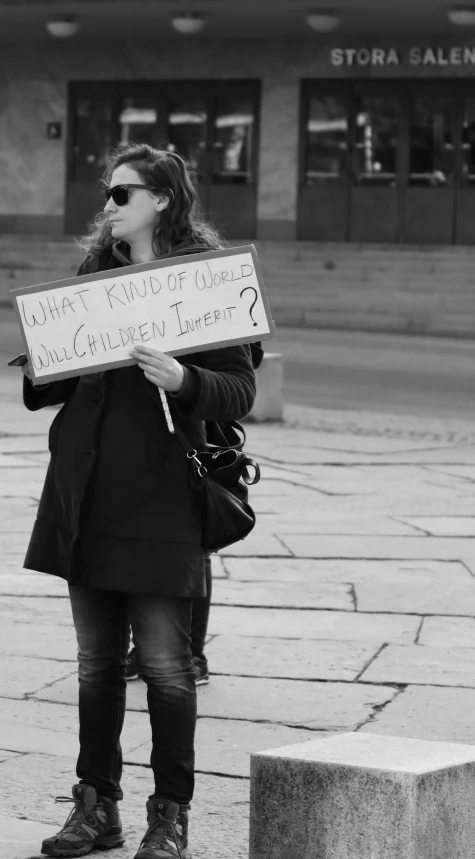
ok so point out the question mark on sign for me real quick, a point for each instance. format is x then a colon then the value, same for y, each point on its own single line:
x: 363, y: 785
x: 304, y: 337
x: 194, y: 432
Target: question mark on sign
x: 253, y: 303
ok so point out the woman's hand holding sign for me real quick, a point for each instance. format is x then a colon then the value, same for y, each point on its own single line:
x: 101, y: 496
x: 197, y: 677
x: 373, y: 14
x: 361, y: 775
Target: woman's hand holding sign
x: 159, y: 368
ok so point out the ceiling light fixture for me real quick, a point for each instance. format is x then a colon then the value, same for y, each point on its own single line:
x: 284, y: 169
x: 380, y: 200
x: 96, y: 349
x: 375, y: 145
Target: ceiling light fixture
x: 462, y: 16
x: 323, y: 21
x: 63, y: 27
x: 189, y: 23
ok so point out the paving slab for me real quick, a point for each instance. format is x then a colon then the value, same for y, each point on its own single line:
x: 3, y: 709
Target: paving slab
x: 291, y: 658
x: 426, y: 665
x: 21, y: 839
x: 13, y: 543
x: 37, y: 640
x: 23, y: 583
x: 283, y: 594
x: 343, y: 523
x: 408, y: 548
x: 353, y: 570
x: 31, y: 474
x: 22, y: 676
x: 258, y: 543
x: 5, y: 756
x: 218, y: 568
x: 428, y: 712
x: 19, y: 421
x: 224, y: 746
x: 297, y: 703
x: 36, y: 458
x: 219, y: 815
x: 31, y: 726
x: 12, y: 563
x: 47, y: 610
x: 10, y: 460
x: 420, y: 592
x: 466, y: 472
x: 448, y: 631
x: 35, y: 443
x: 287, y: 491
x: 18, y: 520
x: 13, y: 489
x: 444, y: 526
x: 290, y: 623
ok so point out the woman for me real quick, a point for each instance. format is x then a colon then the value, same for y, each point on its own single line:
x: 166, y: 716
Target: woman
x: 118, y: 519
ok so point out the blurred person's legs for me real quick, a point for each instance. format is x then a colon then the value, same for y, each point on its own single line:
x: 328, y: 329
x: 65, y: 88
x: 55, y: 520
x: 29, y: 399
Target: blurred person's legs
x: 199, y: 628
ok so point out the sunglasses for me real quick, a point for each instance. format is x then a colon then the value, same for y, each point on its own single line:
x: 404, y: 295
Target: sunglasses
x: 120, y: 193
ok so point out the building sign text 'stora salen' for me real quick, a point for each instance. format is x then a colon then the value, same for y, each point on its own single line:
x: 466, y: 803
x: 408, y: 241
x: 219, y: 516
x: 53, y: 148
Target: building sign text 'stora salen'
x: 414, y: 56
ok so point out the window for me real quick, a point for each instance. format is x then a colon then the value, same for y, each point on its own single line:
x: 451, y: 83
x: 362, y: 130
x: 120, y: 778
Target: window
x: 187, y: 120
x: 233, y: 141
x: 431, y: 142
x: 376, y: 141
x: 138, y: 121
x: 326, y: 138
x: 468, y: 143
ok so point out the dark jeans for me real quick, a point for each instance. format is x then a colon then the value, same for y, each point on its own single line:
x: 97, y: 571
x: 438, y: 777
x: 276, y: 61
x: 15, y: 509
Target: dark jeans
x: 200, y: 617
x: 161, y: 628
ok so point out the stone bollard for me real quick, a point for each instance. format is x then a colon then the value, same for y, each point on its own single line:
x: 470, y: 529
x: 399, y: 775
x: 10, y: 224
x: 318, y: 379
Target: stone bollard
x: 363, y: 796
x: 269, y: 403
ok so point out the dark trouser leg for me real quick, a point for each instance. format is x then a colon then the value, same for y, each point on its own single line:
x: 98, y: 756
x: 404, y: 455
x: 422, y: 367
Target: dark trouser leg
x: 200, y: 616
x: 102, y: 631
x: 161, y: 629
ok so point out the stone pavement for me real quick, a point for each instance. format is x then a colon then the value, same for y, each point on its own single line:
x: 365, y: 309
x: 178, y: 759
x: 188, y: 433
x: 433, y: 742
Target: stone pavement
x: 351, y: 607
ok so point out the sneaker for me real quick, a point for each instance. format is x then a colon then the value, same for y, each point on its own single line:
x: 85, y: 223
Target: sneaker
x: 167, y: 833
x: 201, y: 671
x: 94, y: 822
x: 132, y: 670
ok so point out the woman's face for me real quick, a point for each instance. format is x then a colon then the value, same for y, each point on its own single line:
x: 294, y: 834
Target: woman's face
x: 138, y: 216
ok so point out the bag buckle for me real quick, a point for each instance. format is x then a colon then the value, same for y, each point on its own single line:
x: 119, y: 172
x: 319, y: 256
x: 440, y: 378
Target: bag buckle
x: 193, y: 454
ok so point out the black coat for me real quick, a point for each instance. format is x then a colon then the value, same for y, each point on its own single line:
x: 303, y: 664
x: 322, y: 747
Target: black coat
x: 117, y: 511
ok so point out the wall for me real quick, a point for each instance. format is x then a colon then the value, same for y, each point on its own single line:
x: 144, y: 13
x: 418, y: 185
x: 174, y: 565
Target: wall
x: 404, y: 289
x: 33, y: 91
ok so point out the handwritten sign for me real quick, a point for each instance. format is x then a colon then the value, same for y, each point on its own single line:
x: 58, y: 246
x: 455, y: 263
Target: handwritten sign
x: 185, y: 304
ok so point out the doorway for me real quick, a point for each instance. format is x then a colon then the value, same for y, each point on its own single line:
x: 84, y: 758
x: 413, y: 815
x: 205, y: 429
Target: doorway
x: 389, y: 161
x: 214, y: 125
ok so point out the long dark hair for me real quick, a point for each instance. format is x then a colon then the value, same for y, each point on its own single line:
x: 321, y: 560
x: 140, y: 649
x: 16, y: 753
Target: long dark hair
x: 181, y: 221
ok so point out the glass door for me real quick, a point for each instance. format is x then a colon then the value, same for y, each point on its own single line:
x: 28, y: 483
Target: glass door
x: 429, y: 198
x: 465, y: 197
x: 217, y: 134
x: 375, y: 166
x: 212, y: 125
x: 91, y: 136
x: 323, y: 197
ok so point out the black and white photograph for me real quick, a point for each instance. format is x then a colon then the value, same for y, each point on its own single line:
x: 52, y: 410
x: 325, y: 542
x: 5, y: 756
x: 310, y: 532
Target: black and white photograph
x: 237, y: 429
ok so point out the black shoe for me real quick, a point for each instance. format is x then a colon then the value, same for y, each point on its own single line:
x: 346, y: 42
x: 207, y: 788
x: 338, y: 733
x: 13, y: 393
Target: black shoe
x: 167, y: 833
x: 201, y: 671
x: 132, y: 670
x: 94, y: 822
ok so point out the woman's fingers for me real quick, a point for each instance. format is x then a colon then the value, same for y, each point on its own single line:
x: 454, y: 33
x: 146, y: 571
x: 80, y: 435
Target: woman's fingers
x: 159, y: 368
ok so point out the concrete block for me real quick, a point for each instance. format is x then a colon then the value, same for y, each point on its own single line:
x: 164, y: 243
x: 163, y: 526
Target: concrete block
x: 360, y: 796
x: 269, y: 402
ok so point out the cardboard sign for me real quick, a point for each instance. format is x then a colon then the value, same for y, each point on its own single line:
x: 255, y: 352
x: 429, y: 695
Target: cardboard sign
x: 186, y: 304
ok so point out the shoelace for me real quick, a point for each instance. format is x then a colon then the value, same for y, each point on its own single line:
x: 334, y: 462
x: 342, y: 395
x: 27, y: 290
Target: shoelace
x: 78, y: 806
x: 159, y: 822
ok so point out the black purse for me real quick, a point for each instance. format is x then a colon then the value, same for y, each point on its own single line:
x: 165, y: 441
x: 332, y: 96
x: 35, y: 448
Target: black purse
x: 221, y: 473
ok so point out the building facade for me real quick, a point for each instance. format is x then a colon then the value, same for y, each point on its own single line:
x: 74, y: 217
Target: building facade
x: 319, y: 146
x: 346, y: 137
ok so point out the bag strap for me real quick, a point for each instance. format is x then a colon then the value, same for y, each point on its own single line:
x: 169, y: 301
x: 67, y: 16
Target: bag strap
x: 185, y: 443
